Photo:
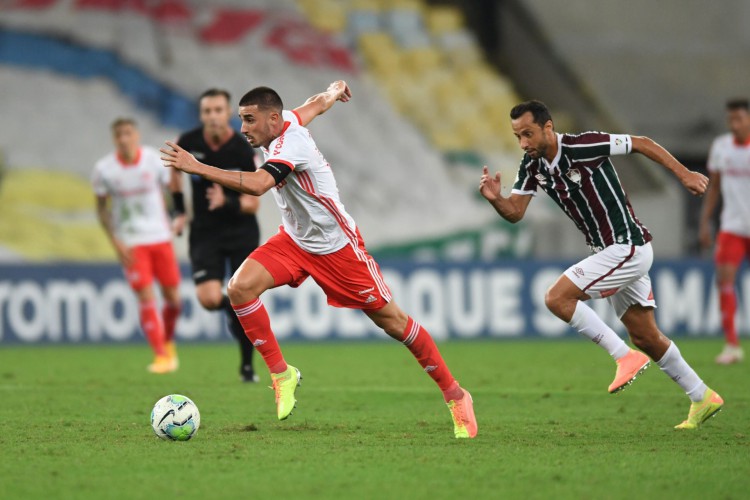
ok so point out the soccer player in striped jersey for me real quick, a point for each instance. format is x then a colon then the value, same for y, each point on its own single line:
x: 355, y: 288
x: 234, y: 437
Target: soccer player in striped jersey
x: 729, y: 167
x: 577, y: 173
x: 317, y: 238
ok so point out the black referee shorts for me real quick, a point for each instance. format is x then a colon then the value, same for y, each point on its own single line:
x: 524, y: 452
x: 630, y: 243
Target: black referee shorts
x: 210, y: 254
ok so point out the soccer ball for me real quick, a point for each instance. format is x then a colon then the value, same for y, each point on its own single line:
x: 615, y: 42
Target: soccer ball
x: 175, y: 418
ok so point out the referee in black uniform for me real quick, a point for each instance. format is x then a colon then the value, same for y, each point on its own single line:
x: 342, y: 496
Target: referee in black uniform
x: 224, y: 229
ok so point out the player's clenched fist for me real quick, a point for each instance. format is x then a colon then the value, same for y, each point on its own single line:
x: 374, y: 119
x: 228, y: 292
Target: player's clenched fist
x: 695, y: 182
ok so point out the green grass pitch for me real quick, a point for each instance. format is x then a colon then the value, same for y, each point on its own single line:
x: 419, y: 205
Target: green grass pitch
x: 74, y: 423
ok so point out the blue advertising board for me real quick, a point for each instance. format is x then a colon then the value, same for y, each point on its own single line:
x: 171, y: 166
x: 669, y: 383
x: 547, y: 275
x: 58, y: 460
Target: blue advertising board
x: 91, y: 303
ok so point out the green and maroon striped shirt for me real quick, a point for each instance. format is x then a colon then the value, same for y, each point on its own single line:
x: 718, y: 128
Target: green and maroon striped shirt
x: 583, y: 182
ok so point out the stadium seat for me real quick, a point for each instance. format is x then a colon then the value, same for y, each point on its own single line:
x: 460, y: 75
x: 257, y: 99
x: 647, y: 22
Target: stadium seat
x: 442, y: 19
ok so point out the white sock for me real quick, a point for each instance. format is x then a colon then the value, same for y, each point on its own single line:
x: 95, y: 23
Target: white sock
x: 674, y: 365
x: 592, y: 327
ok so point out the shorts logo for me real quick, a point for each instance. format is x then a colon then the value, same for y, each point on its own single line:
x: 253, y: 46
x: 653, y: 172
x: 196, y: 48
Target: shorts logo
x: 578, y: 272
x: 366, y: 291
x: 199, y: 274
x: 370, y: 299
x: 574, y: 175
x: 607, y: 293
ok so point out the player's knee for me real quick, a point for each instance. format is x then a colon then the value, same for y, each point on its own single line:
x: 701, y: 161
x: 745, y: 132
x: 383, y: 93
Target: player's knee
x: 553, y: 300
x: 241, y: 290
x: 210, y: 302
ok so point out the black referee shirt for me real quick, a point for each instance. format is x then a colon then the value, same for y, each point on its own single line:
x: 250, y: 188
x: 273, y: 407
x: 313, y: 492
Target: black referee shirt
x: 236, y: 154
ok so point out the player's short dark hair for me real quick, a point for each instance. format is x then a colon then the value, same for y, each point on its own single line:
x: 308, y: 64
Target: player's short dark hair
x: 264, y: 97
x: 122, y: 120
x: 215, y: 92
x: 739, y: 103
x: 537, y: 108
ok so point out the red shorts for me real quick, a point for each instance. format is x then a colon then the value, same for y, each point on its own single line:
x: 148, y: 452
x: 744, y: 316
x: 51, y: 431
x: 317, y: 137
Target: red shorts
x: 731, y: 248
x: 350, y: 277
x: 153, y: 260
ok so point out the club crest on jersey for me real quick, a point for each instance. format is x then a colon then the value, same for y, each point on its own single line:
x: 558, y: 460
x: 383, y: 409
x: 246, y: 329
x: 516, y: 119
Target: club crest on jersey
x: 574, y: 175
x: 541, y: 179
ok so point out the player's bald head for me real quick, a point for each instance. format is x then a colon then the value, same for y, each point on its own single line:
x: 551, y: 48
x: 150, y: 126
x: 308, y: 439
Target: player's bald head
x: 265, y: 98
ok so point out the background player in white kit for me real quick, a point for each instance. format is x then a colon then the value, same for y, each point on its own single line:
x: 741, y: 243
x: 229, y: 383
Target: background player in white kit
x: 318, y: 238
x: 576, y: 172
x: 130, y: 186
x: 729, y: 168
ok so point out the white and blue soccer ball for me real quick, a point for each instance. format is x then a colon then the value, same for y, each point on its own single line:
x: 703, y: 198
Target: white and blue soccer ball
x: 175, y: 418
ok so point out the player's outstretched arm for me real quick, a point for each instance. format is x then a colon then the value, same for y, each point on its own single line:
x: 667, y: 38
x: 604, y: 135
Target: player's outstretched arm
x: 255, y: 183
x: 695, y: 182
x: 512, y: 208
x: 320, y: 103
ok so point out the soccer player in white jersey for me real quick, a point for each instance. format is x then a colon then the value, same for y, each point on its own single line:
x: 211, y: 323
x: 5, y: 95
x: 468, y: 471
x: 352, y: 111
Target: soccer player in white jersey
x: 130, y: 185
x: 729, y: 167
x: 318, y: 238
x: 576, y: 172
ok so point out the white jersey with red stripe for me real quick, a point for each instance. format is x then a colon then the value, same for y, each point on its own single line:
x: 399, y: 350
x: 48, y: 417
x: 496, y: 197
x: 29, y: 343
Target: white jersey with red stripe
x: 311, y: 211
x: 732, y: 161
x: 139, y: 214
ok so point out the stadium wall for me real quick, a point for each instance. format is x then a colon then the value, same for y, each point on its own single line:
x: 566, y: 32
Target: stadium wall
x: 85, y: 303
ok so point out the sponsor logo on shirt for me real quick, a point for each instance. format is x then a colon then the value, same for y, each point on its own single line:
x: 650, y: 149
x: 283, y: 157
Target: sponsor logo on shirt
x: 278, y: 146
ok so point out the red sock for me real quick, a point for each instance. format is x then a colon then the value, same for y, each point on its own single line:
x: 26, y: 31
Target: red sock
x: 170, y: 313
x: 728, y: 306
x: 257, y: 325
x: 152, y: 327
x: 421, y: 345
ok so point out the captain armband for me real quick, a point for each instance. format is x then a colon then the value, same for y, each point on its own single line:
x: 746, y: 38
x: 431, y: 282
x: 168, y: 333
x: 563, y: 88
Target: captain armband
x: 278, y: 170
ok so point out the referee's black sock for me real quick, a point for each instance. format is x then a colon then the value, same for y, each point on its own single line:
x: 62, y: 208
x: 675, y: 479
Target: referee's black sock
x: 235, y: 328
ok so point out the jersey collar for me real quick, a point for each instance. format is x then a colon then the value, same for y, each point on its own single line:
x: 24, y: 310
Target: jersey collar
x: 125, y: 164
x: 286, y: 126
x: 553, y: 165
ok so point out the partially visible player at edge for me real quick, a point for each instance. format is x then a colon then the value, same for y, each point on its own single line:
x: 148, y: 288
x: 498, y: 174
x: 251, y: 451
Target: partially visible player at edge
x: 318, y: 238
x: 224, y: 229
x: 130, y: 185
x: 729, y: 167
x: 577, y: 173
